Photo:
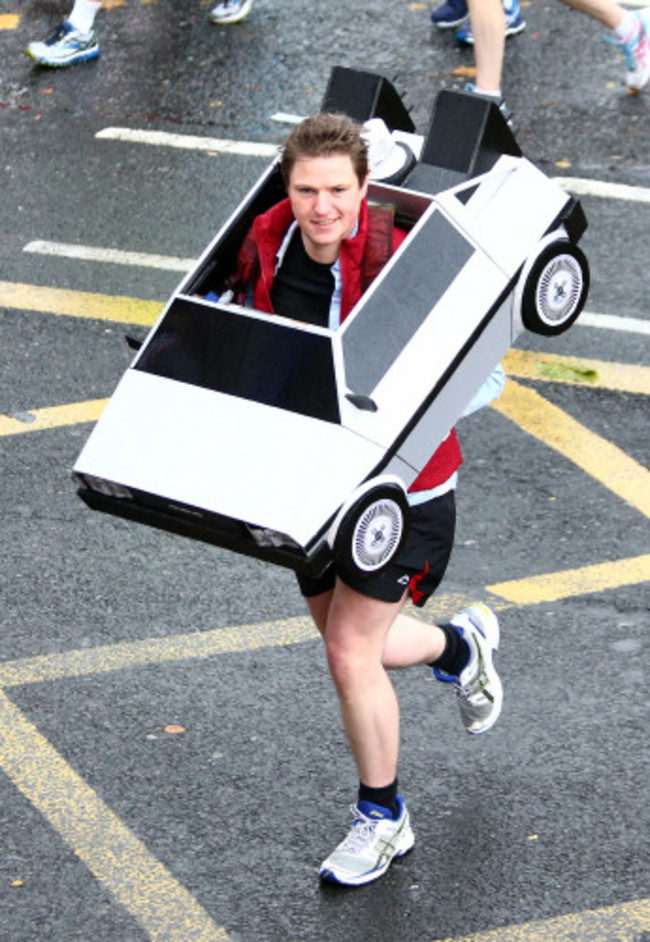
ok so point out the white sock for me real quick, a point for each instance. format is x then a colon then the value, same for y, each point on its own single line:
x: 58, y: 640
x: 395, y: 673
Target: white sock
x: 83, y: 14
x: 492, y: 94
x: 628, y: 28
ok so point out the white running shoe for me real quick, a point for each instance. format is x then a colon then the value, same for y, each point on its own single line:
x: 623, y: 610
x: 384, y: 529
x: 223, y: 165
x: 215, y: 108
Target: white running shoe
x: 64, y: 47
x: 637, y: 54
x: 230, y: 11
x: 374, y: 840
x: 478, y: 686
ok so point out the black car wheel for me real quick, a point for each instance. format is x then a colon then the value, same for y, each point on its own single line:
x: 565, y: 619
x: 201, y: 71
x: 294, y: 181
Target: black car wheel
x: 555, y: 289
x: 373, y: 530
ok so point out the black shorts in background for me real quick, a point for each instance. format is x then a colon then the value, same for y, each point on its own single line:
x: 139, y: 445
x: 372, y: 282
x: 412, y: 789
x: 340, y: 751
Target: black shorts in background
x: 419, y: 567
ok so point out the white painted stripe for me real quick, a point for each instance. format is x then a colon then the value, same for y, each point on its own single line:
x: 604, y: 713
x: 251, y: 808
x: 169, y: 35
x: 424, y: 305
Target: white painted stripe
x: 612, y: 191
x: 630, y: 325
x: 581, y: 187
x: 189, y: 142
x: 283, y: 118
x: 91, y: 253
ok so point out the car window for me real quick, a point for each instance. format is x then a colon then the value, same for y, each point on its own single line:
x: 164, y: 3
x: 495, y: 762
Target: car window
x: 258, y: 358
x: 376, y: 335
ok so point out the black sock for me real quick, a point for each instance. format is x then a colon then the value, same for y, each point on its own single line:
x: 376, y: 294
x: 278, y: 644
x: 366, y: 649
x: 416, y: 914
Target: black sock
x: 384, y: 797
x: 456, y: 653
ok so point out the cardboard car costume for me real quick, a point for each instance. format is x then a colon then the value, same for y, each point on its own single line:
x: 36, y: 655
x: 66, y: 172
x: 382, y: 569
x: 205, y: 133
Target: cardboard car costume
x: 294, y: 443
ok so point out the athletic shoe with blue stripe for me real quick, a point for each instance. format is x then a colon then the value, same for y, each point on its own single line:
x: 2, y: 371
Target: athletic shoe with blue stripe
x: 374, y: 840
x: 449, y: 14
x: 478, y: 686
x: 515, y: 23
x: 637, y: 53
x: 64, y: 47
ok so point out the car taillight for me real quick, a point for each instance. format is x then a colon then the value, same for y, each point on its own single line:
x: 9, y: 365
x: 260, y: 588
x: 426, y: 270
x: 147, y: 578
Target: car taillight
x: 266, y: 537
x: 107, y: 488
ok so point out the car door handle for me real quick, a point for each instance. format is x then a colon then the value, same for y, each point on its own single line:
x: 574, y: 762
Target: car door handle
x: 362, y: 402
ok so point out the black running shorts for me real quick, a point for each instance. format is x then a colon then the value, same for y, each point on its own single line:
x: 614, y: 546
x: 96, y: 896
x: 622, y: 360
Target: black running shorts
x: 419, y: 567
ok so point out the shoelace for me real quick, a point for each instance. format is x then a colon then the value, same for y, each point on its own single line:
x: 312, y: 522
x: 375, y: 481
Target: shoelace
x: 60, y: 33
x: 478, y: 685
x: 363, y: 831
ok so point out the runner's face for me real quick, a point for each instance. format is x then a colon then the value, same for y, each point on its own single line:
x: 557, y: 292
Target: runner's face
x: 325, y: 196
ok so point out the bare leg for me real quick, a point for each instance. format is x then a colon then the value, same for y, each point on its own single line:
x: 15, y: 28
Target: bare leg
x: 489, y: 29
x: 606, y: 12
x: 362, y: 638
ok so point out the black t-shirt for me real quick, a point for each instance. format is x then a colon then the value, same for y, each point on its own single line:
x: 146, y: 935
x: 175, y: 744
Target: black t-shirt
x: 302, y: 288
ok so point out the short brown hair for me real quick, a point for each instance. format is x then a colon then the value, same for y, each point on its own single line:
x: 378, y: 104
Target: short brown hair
x: 324, y: 135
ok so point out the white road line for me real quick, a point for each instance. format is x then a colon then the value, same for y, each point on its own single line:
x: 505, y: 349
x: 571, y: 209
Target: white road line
x: 581, y: 187
x: 612, y: 191
x: 91, y: 253
x: 630, y: 325
x: 283, y: 117
x: 189, y: 142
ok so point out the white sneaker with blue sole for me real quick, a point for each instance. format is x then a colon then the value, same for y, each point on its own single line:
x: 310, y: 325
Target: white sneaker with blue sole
x: 478, y: 686
x: 373, y: 842
x: 64, y: 47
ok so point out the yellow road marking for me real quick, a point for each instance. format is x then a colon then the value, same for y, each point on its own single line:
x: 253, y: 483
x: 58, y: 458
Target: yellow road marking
x: 524, y: 364
x: 130, y: 654
x: 599, y: 374
x: 609, y: 465
x: 53, y: 417
x: 124, y: 655
x: 623, y: 922
x: 117, y: 859
x: 9, y: 20
x: 574, y: 582
x: 549, y: 587
x: 102, y: 307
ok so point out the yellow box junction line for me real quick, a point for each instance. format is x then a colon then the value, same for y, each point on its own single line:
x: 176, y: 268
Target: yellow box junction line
x: 121, y: 862
x: 554, y: 586
x: 621, y: 377
x: 576, y: 371
x: 624, y: 922
x: 133, y: 654
x: 101, y: 307
x: 40, y: 420
x: 609, y: 465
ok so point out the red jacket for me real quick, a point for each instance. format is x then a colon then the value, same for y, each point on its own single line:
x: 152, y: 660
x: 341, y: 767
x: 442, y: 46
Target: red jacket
x: 263, y: 244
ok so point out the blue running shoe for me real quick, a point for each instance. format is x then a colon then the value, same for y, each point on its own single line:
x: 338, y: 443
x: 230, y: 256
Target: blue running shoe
x: 515, y: 23
x: 65, y: 46
x: 450, y: 14
x: 374, y: 840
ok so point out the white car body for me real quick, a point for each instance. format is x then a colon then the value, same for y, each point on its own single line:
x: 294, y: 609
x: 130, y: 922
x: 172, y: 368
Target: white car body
x: 228, y: 460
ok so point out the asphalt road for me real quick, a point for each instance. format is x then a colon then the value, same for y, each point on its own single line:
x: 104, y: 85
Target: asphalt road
x: 173, y: 765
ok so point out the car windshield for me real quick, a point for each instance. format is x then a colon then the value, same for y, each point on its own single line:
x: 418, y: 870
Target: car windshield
x: 400, y: 303
x: 263, y: 359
